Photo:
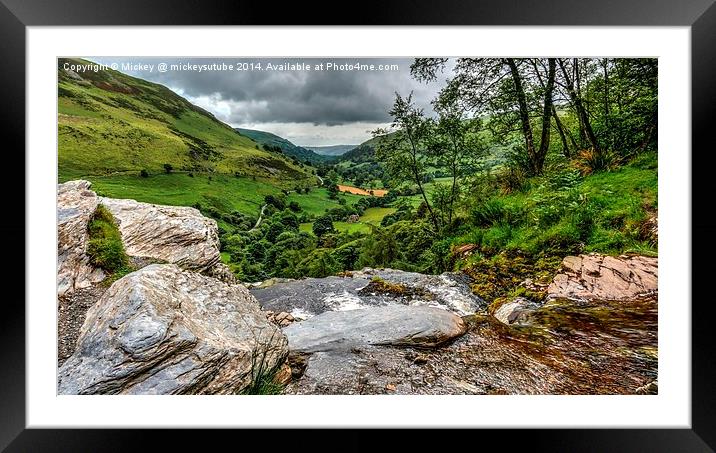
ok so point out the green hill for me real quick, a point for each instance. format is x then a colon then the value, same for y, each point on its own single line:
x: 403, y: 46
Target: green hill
x: 110, y: 122
x: 273, y: 141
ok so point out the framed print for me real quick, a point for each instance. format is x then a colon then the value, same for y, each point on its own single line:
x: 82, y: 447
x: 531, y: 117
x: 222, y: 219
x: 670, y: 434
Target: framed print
x: 453, y: 219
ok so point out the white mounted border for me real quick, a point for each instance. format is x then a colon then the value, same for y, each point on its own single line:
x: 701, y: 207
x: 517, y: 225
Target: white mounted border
x: 670, y: 408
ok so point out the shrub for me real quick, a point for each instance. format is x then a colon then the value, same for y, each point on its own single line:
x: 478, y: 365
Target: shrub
x: 144, y: 173
x: 168, y: 168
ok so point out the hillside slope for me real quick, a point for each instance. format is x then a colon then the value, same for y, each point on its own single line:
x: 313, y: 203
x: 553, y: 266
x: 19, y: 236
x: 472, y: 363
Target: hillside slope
x: 111, y: 123
x: 288, y: 148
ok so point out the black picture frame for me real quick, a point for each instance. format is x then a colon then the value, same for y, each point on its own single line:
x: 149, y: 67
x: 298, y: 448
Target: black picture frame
x: 700, y: 15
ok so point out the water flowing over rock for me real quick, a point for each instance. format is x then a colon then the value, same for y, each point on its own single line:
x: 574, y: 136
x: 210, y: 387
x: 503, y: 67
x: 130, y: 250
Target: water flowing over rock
x: 163, y: 330
x: 174, y: 234
x: 390, y: 325
x: 75, y: 205
x: 599, y: 277
x: 369, y: 288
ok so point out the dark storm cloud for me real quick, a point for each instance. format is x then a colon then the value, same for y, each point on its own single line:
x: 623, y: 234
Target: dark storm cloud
x: 325, y: 97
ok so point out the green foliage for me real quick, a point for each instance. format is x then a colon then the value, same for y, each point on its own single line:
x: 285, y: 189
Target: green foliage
x: 105, y: 248
x: 323, y: 225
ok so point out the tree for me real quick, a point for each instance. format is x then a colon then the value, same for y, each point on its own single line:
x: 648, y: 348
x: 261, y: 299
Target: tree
x: 404, y: 151
x: 455, y: 144
x: 505, y: 91
x: 168, y: 168
x: 575, y: 96
x: 323, y: 225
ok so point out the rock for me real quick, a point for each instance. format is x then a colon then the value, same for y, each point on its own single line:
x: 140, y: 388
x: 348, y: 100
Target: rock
x: 162, y: 330
x: 516, y: 311
x: 281, y: 319
x: 174, y: 234
x: 652, y: 388
x: 75, y: 206
x: 390, y: 325
x: 312, y: 296
x: 599, y: 277
x: 283, y: 375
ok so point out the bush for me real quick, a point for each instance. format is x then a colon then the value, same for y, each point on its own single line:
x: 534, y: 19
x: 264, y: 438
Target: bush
x: 105, y: 248
x: 589, y: 161
x: 168, y: 168
x: 144, y: 173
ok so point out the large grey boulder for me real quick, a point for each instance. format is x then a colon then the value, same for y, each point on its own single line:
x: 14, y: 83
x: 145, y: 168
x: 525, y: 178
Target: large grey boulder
x: 162, y: 330
x: 174, y: 234
x: 75, y: 205
x: 389, y: 325
x: 600, y: 277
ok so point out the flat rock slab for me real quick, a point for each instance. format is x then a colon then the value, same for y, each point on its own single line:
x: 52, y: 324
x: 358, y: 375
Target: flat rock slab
x: 389, y: 325
x: 600, y: 277
x: 312, y: 296
x: 163, y: 330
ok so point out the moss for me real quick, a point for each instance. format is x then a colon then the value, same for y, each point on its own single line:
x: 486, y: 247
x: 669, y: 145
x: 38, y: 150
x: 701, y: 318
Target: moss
x: 502, y: 276
x: 380, y: 286
x: 105, y: 248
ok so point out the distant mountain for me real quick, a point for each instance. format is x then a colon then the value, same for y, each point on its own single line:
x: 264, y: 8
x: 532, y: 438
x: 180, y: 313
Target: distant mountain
x: 272, y: 141
x: 365, y: 152
x: 332, y: 150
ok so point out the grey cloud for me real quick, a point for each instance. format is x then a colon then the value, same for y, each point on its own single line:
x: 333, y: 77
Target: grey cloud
x: 329, y: 98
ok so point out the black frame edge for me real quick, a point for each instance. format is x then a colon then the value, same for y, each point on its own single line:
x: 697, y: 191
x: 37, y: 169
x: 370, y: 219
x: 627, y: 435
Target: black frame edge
x: 700, y: 14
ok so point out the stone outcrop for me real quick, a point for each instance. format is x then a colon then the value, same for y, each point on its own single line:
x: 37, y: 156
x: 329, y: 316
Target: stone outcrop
x: 173, y: 234
x: 516, y: 311
x: 391, y: 325
x: 599, y: 277
x: 368, y: 288
x: 75, y: 205
x: 163, y: 330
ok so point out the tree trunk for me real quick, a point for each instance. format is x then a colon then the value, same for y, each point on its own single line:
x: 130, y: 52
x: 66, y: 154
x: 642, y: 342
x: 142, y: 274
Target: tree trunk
x: 538, y: 162
x: 416, y: 175
x: 579, y: 107
x: 558, y: 123
x: 565, y: 146
x: 524, y: 112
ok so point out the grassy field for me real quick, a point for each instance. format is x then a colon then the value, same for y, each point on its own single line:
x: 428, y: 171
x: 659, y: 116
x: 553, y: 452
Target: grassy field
x: 316, y: 202
x: 223, y: 192
x: 371, y: 216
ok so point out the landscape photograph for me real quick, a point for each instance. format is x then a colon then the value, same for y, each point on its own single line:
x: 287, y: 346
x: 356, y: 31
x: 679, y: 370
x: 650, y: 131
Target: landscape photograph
x: 357, y: 226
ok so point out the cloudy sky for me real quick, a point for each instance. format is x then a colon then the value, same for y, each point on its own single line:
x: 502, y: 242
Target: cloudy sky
x: 322, y: 101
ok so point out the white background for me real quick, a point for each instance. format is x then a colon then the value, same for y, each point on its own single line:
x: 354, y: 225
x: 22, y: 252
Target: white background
x: 671, y: 407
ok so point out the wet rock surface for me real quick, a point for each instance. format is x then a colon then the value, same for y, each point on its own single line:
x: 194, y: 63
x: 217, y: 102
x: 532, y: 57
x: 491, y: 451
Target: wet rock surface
x: 312, y: 296
x: 162, y: 330
x: 572, y: 349
x: 389, y: 325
